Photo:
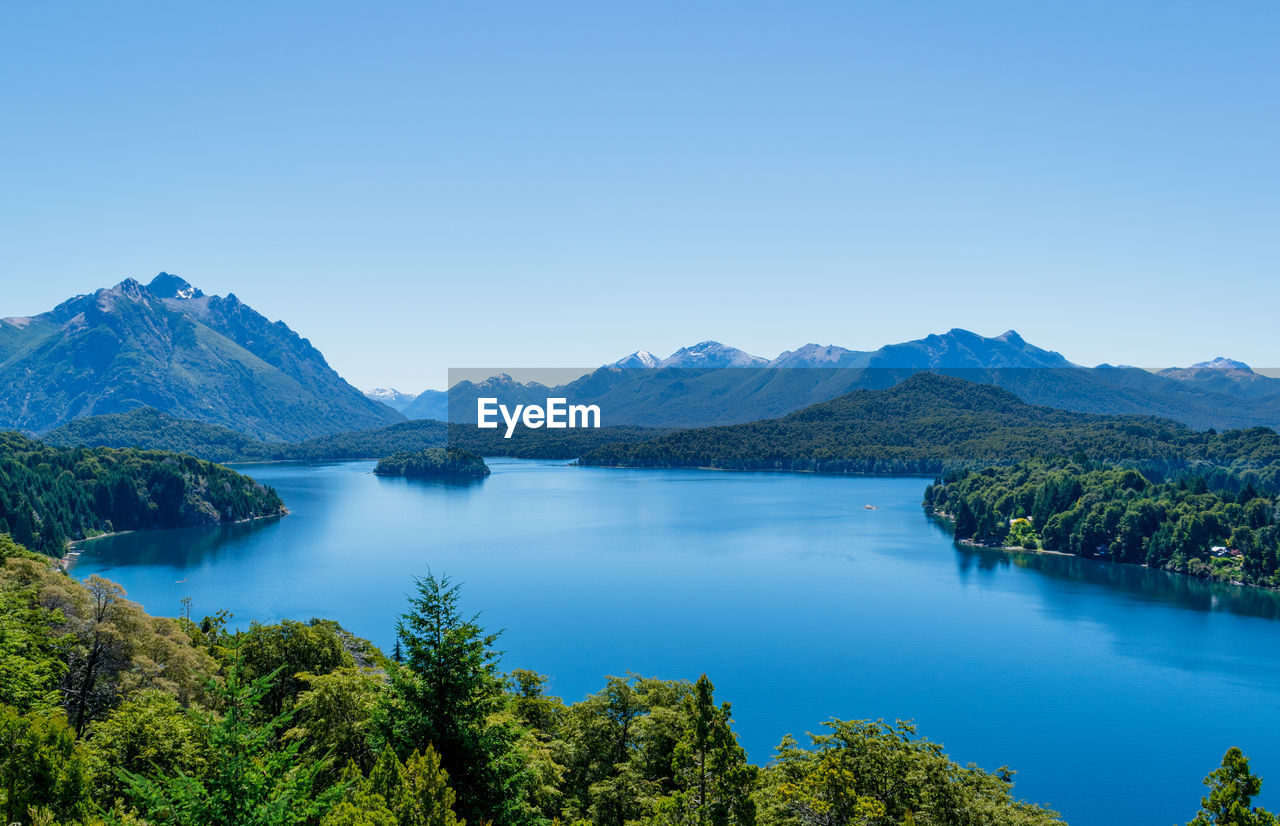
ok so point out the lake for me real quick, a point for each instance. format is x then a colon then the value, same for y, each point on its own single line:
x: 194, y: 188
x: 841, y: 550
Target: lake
x: 1111, y: 689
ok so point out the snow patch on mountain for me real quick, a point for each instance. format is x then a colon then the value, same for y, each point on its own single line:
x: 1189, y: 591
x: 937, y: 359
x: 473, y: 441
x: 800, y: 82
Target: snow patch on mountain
x: 640, y: 359
x: 712, y: 354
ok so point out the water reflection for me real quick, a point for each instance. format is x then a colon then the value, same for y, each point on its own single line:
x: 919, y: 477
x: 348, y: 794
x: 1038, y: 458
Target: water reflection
x: 174, y: 547
x: 452, y: 483
x: 1137, y: 582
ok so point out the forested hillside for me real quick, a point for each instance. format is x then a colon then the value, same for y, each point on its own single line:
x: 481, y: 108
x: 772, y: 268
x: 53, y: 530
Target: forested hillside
x: 49, y: 495
x: 1117, y: 514
x: 148, y: 429
x: 930, y: 423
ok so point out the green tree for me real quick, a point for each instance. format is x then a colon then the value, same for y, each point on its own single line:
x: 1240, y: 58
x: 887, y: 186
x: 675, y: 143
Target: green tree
x: 41, y: 767
x: 447, y: 696
x: 415, y: 793
x: 292, y: 648
x: 102, y: 641
x: 31, y: 655
x: 251, y: 778
x: 335, y: 716
x: 149, y: 733
x: 713, y: 779
x: 870, y: 772
x: 1232, y: 788
x: 427, y: 799
x: 620, y: 747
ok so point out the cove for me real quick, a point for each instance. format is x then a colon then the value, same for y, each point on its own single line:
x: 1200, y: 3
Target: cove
x: 1111, y: 689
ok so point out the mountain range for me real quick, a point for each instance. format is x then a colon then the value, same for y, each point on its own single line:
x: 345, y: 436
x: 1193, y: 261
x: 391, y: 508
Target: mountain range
x: 168, y: 346
x: 212, y: 359
x: 930, y: 422
x: 711, y: 383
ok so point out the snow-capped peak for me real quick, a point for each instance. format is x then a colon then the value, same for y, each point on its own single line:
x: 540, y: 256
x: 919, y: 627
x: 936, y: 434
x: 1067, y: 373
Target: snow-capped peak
x: 389, y: 395
x: 167, y: 285
x: 712, y: 354
x: 1221, y: 363
x: 640, y: 359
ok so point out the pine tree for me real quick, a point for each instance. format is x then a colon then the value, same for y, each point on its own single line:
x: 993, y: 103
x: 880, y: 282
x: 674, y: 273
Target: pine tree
x: 711, y: 770
x: 1231, y: 789
x: 252, y: 779
x: 444, y: 697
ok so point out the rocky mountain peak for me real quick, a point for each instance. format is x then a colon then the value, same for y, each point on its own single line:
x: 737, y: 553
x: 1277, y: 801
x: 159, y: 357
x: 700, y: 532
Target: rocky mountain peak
x: 167, y: 285
x: 1221, y: 363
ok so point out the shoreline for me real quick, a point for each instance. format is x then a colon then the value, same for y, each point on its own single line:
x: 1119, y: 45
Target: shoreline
x: 859, y: 473
x: 74, y: 549
x: 969, y: 543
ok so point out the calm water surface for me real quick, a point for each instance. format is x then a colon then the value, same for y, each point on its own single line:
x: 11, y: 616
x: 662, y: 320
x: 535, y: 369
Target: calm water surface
x: 1111, y: 689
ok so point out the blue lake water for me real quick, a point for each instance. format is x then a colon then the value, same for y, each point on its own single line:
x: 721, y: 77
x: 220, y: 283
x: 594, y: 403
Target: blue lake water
x: 1111, y: 689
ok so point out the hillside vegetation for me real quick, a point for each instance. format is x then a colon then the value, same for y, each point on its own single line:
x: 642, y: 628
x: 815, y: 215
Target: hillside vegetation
x: 50, y: 495
x: 930, y: 423
x: 1117, y: 514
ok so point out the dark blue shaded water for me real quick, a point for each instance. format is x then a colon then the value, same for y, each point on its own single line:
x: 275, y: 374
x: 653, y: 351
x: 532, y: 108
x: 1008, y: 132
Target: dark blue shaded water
x: 1111, y: 689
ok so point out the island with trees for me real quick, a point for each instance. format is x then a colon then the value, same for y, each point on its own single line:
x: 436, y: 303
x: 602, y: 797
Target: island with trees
x: 434, y: 463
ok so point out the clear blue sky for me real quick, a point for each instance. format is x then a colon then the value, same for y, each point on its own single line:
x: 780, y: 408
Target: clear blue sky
x: 421, y: 186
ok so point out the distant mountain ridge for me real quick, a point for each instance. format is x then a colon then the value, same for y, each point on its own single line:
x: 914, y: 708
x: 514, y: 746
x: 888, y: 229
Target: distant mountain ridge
x: 710, y: 383
x: 169, y: 346
x: 930, y: 422
x: 391, y: 397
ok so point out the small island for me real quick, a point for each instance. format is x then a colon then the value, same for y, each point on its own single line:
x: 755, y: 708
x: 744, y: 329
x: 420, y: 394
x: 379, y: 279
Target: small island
x: 433, y: 463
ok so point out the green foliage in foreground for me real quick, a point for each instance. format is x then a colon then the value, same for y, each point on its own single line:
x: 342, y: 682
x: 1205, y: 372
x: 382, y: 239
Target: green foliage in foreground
x: 1231, y: 791
x: 1117, y: 514
x: 434, y: 463
x: 184, y: 722
x: 49, y: 495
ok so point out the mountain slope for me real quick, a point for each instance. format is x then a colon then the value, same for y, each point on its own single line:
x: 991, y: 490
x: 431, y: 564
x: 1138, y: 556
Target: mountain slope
x: 1222, y: 375
x: 429, y: 404
x: 146, y: 428
x: 931, y: 421
x: 169, y: 346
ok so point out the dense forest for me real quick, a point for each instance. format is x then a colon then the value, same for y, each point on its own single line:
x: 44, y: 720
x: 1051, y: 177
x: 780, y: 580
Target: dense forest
x: 1117, y: 514
x: 929, y: 424
x: 49, y: 495
x: 111, y: 716
x: 148, y: 429
x: 433, y: 463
